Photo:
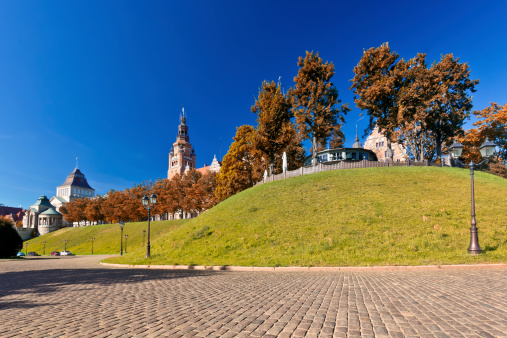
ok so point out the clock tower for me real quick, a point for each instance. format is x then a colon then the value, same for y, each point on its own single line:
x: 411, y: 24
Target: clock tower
x: 182, y: 155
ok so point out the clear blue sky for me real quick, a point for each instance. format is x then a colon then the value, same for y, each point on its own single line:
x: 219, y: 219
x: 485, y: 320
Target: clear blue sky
x: 105, y: 80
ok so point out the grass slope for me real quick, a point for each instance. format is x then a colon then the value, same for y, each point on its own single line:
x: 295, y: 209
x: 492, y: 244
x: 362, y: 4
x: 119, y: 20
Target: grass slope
x: 360, y: 217
x: 107, y: 237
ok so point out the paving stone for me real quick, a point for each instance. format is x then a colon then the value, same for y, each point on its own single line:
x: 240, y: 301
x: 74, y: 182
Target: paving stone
x: 77, y: 297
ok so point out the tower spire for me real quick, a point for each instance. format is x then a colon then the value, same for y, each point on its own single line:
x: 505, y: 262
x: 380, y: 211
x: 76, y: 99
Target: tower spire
x: 357, y: 144
x: 77, y: 162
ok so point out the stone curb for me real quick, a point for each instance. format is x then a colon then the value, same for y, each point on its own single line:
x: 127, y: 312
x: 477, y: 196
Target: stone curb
x: 307, y: 269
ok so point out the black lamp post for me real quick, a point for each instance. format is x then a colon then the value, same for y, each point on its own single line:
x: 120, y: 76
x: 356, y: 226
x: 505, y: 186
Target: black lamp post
x: 92, y: 239
x: 144, y: 233
x: 44, y: 249
x: 487, y: 150
x: 148, y: 204
x: 65, y: 246
x: 126, y: 238
x: 122, y: 224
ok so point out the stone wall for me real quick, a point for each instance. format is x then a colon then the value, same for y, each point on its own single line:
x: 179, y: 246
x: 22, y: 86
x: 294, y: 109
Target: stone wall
x: 25, y: 233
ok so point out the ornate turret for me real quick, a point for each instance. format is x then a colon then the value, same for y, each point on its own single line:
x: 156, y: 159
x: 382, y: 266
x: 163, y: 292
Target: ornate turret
x: 183, y: 128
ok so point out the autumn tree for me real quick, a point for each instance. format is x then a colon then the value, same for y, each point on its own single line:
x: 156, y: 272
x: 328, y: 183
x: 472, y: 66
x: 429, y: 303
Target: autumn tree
x: 206, y: 187
x: 315, y: 102
x: 414, y: 97
x: 377, y: 84
x: 113, y: 207
x: 132, y: 204
x: 166, y: 196
x: 275, y: 132
x: 76, y: 210
x: 190, y: 199
x: 492, y: 123
x: 241, y: 166
x: 450, y: 103
x: 93, y: 209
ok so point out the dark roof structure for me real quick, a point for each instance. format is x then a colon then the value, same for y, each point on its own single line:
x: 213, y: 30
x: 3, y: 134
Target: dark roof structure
x: 50, y: 212
x: 43, y: 201
x: 76, y: 178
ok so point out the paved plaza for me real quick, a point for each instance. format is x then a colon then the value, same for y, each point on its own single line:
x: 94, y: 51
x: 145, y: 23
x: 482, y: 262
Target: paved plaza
x: 77, y: 297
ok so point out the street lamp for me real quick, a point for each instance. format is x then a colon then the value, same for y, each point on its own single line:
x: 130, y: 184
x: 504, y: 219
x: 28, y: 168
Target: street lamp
x: 92, y: 239
x: 148, y: 204
x: 487, y: 150
x: 44, y: 250
x: 26, y: 249
x: 65, y: 246
x: 122, y: 224
x: 126, y: 238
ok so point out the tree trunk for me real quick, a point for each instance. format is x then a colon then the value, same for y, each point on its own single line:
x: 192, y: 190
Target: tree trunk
x: 389, y: 149
x: 314, y: 151
x: 438, y: 148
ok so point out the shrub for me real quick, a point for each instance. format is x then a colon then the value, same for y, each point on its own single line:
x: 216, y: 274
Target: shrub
x: 10, y: 242
x: 496, y: 167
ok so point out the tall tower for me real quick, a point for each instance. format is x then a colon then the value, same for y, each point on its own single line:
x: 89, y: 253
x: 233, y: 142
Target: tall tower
x: 182, y: 155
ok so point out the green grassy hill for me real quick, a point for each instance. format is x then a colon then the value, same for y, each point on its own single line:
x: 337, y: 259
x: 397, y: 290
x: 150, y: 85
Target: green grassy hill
x: 376, y: 216
x: 107, y: 237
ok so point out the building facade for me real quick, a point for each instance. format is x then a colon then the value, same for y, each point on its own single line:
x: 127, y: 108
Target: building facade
x: 377, y: 143
x: 41, y: 218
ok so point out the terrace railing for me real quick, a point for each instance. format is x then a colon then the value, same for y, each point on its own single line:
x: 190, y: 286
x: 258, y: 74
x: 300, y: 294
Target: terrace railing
x: 351, y: 165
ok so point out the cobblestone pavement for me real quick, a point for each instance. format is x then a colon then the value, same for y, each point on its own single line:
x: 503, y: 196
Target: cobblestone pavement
x: 76, y: 297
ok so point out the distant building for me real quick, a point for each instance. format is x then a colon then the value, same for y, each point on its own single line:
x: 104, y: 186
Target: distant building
x: 41, y: 218
x: 356, y: 153
x: 75, y: 186
x: 214, y: 167
x: 377, y: 143
x: 14, y: 214
x: 182, y: 156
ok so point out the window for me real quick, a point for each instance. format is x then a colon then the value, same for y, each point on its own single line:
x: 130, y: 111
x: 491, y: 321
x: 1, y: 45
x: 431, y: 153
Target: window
x: 382, y: 143
x: 360, y: 156
x: 354, y: 156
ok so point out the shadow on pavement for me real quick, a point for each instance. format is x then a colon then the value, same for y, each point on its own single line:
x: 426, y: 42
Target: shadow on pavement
x: 38, y: 282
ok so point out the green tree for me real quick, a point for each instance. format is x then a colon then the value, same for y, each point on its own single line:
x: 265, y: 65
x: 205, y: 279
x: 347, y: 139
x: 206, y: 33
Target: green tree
x: 315, y: 102
x: 10, y: 242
